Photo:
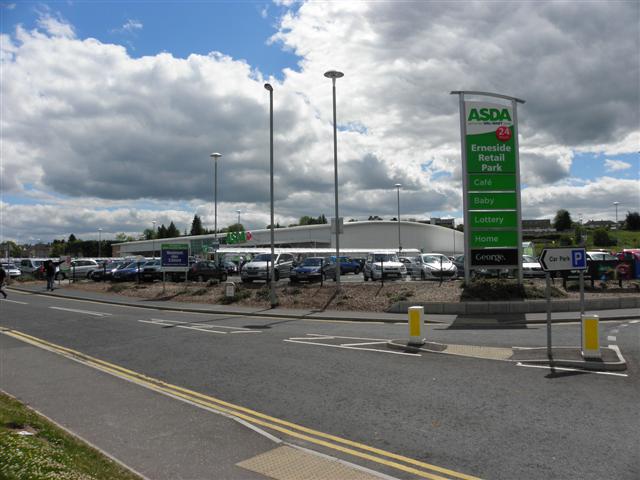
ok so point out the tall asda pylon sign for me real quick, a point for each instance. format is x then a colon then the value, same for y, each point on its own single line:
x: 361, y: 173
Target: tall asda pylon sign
x: 491, y: 180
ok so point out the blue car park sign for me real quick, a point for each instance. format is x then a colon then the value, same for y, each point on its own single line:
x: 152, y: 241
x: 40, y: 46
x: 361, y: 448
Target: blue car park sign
x: 174, y: 257
x: 558, y: 259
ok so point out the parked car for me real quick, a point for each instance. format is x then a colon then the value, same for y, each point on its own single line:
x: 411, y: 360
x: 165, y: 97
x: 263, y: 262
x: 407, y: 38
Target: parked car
x: 11, y: 270
x: 152, y: 270
x: 206, y: 270
x: 347, y: 265
x: 106, y: 272
x: 256, y: 269
x: 531, y: 267
x: 80, y: 268
x: 231, y: 267
x: 433, y: 266
x: 32, y: 266
x: 128, y: 272
x: 380, y: 265
x: 311, y: 270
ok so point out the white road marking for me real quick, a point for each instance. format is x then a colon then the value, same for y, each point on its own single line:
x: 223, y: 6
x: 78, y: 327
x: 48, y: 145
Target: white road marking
x: 611, y: 338
x: 177, y: 323
x: 353, y: 348
x: 571, y: 370
x: 616, y: 349
x: 634, y: 321
x: 14, y: 301
x: 624, y: 325
x: 615, y: 330
x: 201, y: 328
x: 367, y: 343
x: 165, y: 324
x: 86, y: 312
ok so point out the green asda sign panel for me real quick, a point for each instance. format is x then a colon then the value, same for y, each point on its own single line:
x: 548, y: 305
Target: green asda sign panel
x: 491, y: 181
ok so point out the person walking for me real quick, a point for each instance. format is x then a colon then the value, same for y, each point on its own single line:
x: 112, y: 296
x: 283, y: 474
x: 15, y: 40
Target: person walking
x: 50, y: 272
x: 3, y: 277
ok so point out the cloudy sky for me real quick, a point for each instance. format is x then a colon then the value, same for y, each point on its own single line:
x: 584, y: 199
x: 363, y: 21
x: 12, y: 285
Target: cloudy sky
x: 109, y: 110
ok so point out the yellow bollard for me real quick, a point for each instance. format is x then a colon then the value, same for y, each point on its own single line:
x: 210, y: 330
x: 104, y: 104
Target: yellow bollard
x: 416, y: 315
x: 590, y: 336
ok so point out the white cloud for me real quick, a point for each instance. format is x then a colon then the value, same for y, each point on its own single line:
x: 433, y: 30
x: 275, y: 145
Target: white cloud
x: 56, y: 26
x: 616, y: 165
x: 91, y: 134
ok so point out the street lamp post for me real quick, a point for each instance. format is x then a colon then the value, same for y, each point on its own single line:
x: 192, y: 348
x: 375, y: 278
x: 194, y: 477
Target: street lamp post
x: 153, y: 238
x: 99, y: 241
x: 398, y: 185
x: 272, y: 291
x: 616, y: 205
x: 238, y: 212
x: 215, y: 157
x: 333, y: 75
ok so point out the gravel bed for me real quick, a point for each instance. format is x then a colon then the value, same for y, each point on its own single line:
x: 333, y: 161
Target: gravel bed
x: 372, y: 296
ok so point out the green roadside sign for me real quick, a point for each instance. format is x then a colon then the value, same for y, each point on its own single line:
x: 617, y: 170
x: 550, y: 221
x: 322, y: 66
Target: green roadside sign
x: 494, y: 238
x: 493, y: 219
x: 489, y: 182
x: 492, y: 201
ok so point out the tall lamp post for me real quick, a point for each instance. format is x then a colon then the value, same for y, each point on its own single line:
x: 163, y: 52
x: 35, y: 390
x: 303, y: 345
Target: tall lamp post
x: 215, y: 157
x: 333, y: 75
x: 616, y: 205
x: 272, y: 287
x: 398, y: 185
x: 238, y: 212
x: 153, y: 238
x: 99, y: 241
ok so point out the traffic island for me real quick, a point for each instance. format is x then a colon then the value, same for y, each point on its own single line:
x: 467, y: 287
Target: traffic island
x: 571, y: 357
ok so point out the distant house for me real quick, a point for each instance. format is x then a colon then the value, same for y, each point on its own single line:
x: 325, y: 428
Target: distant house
x: 443, y: 222
x: 600, y: 224
x: 537, y: 225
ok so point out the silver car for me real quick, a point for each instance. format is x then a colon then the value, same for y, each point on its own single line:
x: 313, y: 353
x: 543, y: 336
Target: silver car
x: 11, y: 269
x: 433, y: 266
x: 259, y: 267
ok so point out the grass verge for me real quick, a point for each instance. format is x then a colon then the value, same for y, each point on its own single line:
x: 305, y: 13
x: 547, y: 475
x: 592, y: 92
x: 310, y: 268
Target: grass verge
x: 33, y: 447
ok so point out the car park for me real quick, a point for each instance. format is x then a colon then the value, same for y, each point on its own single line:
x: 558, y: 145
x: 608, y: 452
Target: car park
x: 347, y: 265
x: 433, y: 266
x: 152, y: 270
x: 207, y: 270
x: 80, y: 268
x: 379, y: 265
x: 11, y: 270
x: 312, y: 269
x: 128, y: 272
x: 531, y: 268
x: 259, y: 267
x: 107, y: 270
x: 32, y: 266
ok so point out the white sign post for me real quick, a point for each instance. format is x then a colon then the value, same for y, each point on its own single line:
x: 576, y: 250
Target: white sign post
x: 556, y: 260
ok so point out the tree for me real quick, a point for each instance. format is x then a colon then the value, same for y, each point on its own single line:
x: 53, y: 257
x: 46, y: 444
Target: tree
x: 72, y: 238
x: 374, y: 217
x: 196, y: 226
x: 162, y: 231
x: 149, y: 234
x: 632, y: 222
x: 236, y: 227
x: 172, y: 231
x: 601, y: 238
x: 562, y: 220
x: 123, y: 237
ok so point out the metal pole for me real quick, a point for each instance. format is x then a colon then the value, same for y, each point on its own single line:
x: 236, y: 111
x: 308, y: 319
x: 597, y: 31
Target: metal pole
x: 548, y: 293
x: 465, y: 205
x: 215, y: 196
x: 99, y: 241
x: 399, y: 242
x: 272, y: 289
x: 582, y: 292
x: 514, y: 106
x: 332, y: 74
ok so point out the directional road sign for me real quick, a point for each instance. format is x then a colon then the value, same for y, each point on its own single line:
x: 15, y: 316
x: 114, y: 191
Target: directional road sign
x: 555, y: 259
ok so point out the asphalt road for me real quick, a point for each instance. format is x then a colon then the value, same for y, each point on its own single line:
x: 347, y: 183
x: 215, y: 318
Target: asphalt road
x: 485, y: 418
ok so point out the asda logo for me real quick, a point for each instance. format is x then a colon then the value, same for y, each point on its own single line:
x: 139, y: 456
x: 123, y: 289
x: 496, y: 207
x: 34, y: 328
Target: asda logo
x: 489, y: 115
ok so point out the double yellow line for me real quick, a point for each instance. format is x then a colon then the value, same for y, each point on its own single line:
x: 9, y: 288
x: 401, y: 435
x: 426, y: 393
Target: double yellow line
x: 359, y: 450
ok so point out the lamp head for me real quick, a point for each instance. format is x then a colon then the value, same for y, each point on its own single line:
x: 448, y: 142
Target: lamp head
x: 398, y: 185
x: 333, y: 74
x: 215, y: 155
x: 268, y: 87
